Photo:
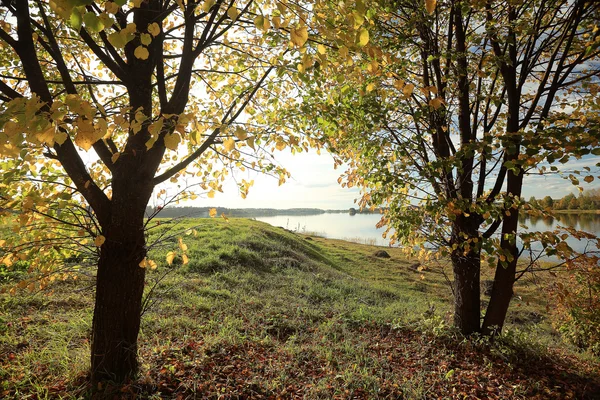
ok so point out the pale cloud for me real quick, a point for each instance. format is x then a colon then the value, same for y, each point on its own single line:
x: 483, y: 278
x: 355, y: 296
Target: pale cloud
x: 314, y: 185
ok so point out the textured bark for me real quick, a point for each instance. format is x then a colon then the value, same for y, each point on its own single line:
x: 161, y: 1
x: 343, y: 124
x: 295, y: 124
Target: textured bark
x: 466, y: 292
x: 466, y: 265
x: 504, y: 278
x: 120, y: 284
x: 117, y: 313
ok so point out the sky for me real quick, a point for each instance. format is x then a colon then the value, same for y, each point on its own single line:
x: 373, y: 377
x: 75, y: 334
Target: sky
x: 314, y: 185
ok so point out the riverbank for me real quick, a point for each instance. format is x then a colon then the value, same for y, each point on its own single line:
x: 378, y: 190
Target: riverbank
x: 576, y: 211
x: 261, y: 312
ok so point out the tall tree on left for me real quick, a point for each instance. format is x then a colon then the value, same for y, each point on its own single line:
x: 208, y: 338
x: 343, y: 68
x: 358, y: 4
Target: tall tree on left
x: 101, y: 101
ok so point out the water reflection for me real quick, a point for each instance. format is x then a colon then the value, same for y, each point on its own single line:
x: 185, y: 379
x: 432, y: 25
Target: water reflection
x: 361, y: 227
x: 584, y: 222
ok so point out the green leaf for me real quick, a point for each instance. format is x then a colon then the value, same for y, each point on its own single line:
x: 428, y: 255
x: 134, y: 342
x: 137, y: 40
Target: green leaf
x: 117, y: 40
x: 92, y: 22
x: 76, y: 19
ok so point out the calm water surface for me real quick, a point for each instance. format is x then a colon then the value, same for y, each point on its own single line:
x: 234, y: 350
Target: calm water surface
x: 361, y: 227
x: 357, y: 228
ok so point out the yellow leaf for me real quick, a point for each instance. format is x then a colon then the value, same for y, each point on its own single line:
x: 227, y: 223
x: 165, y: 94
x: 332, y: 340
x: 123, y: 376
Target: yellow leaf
x: 146, y: 39
x: 240, y: 133
x: 430, y: 5
x: 343, y: 52
x: 436, y: 103
x: 141, y: 52
x: 47, y: 135
x: 211, y: 195
x: 182, y: 245
x: 207, y: 5
x: 259, y: 22
x: 277, y: 22
x: 8, y: 260
x: 233, y: 13
x: 185, y: 259
x: 86, y: 134
x: 170, y: 257
x: 363, y: 37
x: 370, y: 87
x: 111, y: 7
x: 408, y: 89
x: 212, y: 212
x: 99, y: 240
x: 172, y: 140
x: 299, y: 36
x: 250, y: 142
x: 154, y: 29
x: 229, y: 144
x: 280, y: 145
x: 60, y: 137
x: 321, y: 49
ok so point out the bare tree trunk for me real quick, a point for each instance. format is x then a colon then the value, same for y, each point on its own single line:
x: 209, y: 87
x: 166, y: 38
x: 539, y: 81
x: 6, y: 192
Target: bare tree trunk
x: 117, y: 312
x: 504, y: 279
x: 466, y: 292
x: 466, y: 265
x: 120, y: 285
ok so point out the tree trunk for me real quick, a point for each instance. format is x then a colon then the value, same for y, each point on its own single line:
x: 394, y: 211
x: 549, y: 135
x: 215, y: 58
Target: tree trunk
x: 466, y: 292
x: 504, y: 279
x: 117, y: 313
x: 120, y: 286
x: 466, y: 264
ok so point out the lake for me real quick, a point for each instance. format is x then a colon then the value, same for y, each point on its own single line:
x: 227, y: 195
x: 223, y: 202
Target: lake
x: 361, y: 227
x: 355, y: 228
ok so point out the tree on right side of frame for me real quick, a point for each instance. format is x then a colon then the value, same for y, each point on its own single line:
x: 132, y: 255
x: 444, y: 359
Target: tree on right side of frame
x: 445, y: 109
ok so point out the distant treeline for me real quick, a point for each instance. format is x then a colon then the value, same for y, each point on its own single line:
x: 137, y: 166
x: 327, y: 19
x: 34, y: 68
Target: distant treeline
x: 203, y: 212
x: 588, y: 200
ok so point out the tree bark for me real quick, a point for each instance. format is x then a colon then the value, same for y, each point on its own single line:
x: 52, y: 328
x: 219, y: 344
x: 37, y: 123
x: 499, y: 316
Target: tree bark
x: 120, y: 286
x: 117, y: 312
x: 466, y: 265
x: 466, y: 292
x: 504, y: 279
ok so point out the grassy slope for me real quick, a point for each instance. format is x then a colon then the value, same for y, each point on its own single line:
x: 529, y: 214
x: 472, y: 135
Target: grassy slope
x: 260, y: 312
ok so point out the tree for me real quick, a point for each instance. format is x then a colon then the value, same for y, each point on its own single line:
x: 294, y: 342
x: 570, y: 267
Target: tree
x: 443, y: 112
x: 533, y: 201
x: 547, y: 202
x: 159, y: 90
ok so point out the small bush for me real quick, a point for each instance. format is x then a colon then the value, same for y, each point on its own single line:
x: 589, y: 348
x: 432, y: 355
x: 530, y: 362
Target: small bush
x: 577, y: 316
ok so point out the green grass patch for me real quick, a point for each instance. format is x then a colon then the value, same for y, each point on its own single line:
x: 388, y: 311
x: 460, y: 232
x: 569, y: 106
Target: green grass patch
x: 262, y: 312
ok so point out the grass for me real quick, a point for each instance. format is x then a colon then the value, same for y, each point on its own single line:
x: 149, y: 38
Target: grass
x: 261, y: 312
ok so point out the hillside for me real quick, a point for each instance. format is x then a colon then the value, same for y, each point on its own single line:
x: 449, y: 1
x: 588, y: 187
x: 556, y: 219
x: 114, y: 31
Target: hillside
x: 261, y: 312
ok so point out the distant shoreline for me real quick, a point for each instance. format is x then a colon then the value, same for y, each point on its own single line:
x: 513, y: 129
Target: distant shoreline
x: 203, y: 212
x: 576, y: 211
